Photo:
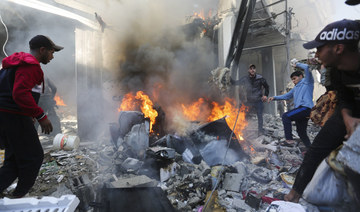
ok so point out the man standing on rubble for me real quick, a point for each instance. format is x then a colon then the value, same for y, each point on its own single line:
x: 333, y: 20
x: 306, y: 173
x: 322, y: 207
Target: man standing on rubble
x: 18, y: 110
x: 256, y: 92
x: 302, y: 93
x: 337, y: 48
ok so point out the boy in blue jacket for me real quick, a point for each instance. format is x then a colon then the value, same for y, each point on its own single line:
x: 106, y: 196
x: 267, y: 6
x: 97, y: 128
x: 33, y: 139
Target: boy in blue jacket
x: 302, y: 94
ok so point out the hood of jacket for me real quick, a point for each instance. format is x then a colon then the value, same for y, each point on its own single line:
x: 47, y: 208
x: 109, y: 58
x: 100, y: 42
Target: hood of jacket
x: 19, y: 58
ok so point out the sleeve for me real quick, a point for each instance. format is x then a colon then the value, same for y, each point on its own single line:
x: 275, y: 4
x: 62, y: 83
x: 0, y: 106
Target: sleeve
x: 266, y: 87
x: 286, y: 96
x: 308, y: 75
x: 26, y: 77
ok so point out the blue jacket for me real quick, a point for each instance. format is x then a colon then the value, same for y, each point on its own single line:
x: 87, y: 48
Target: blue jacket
x: 303, y: 91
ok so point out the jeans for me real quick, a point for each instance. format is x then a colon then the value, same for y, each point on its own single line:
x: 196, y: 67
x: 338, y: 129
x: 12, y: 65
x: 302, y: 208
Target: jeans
x: 328, y: 139
x: 301, y: 117
x: 23, y: 153
x: 259, y: 107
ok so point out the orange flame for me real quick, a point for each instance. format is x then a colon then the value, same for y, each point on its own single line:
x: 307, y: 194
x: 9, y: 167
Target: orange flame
x: 130, y: 102
x: 147, y: 107
x: 230, y: 111
x: 201, y: 14
x: 59, y: 101
x: 192, y: 112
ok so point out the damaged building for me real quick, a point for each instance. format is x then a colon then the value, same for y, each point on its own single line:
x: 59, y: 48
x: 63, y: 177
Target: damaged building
x: 157, y: 128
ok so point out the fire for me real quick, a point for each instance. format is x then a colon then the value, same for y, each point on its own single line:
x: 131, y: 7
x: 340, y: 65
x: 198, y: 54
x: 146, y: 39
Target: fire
x: 201, y: 14
x: 147, y: 107
x: 130, y: 102
x: 192, y: 112
x: 59, y: 101
x: 230, y: 111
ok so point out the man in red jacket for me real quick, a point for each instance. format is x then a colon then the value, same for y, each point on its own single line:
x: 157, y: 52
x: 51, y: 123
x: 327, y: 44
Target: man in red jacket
x: 20, y: 76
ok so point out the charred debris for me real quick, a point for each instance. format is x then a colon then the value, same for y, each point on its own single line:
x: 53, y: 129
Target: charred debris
x: 139, y: 171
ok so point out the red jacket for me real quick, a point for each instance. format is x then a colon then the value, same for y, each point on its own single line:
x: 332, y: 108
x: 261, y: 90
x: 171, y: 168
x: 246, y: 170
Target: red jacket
x: 27, y: 75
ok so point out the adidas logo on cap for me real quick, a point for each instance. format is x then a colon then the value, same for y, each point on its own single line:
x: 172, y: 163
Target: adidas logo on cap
x: 343, y: 31
x: 341, y: 35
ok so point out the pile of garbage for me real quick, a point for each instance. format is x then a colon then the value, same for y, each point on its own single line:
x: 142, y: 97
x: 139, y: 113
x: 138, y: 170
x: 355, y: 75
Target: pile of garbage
x: 201, y: 171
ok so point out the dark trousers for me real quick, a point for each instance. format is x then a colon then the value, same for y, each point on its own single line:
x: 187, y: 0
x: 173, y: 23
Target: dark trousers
x: 23, y: 153
x: 259, y: 107
x: 301, y: 117
x: 328, y: 139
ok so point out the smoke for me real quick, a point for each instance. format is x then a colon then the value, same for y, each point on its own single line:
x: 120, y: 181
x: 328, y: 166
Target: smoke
x: 157, y: 44
x: 154, y: 46
x: 23, y: 23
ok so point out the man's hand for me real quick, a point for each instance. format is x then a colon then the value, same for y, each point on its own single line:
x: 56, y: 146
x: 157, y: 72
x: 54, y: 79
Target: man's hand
x: 350, y: 123
x: 46, y: 126
x: 293, y: 62
x: 264, y: 98
x: 270, y: 99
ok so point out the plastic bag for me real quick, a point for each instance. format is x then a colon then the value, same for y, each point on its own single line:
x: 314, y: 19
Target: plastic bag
x: 325, y: 188
x: 282, y: 206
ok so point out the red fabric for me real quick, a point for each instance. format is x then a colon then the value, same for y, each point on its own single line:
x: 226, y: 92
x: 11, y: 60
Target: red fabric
x: 28, y: 74
x: 268, y: 200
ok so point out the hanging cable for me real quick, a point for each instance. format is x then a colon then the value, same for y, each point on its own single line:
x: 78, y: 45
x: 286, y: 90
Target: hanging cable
x: 223, y: 161
x: 7, y: 35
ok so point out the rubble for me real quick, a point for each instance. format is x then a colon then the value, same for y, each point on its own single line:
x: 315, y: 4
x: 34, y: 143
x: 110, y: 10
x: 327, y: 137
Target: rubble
x: 264, y: 171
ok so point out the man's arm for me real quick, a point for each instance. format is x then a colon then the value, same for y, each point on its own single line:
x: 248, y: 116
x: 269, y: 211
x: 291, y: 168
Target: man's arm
x: 26, y: 77
x: 286, y: 96
x: 266, y: 87
x: 308, y: 75
x: 266, y: 92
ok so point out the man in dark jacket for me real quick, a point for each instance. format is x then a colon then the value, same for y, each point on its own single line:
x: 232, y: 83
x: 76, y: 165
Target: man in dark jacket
x: 337, y: 48
x: 18, y: 110
x: 256, y: 92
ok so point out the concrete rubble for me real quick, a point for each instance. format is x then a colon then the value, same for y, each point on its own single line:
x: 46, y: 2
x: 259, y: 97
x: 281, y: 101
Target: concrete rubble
x: 243, y: 184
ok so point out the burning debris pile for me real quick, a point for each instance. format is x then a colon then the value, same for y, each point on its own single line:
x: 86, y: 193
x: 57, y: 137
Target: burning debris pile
x: 174, y: 172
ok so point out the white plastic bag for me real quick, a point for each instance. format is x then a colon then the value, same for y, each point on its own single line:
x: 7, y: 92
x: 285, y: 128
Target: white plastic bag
x: 325, y: 188
x: 282, y: 206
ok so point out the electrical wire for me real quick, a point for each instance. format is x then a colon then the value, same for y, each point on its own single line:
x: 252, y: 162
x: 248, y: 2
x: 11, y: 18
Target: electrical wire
x: 223, y: 162
x: 7, y: 35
